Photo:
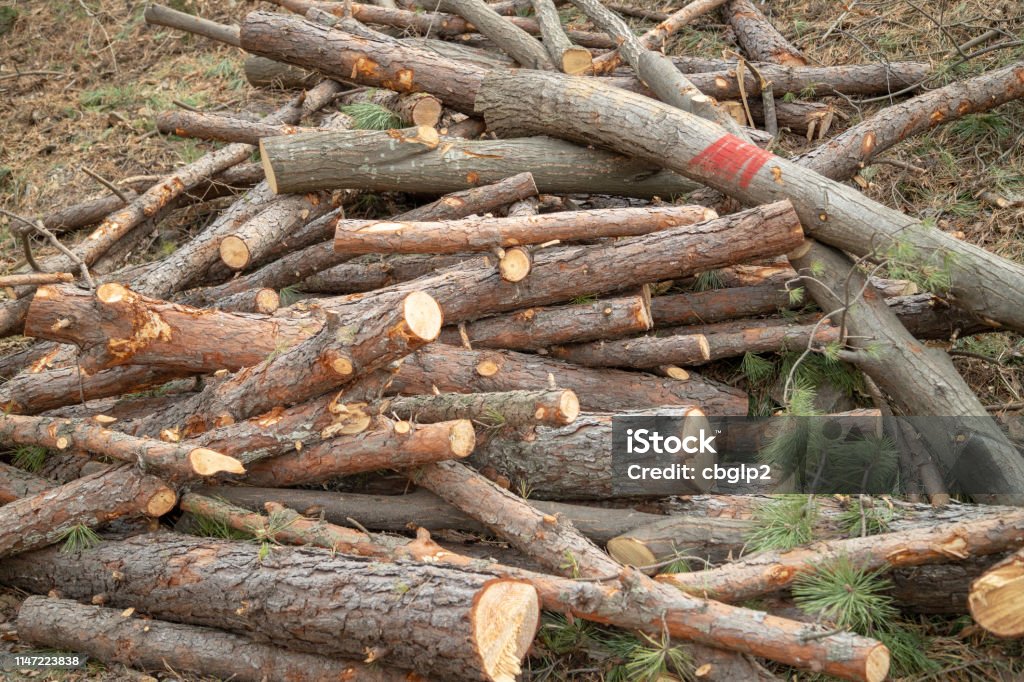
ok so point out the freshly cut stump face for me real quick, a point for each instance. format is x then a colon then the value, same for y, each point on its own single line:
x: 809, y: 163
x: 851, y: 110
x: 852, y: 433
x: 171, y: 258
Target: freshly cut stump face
x: 630, y: 552
x: 462, y: 438
x: 505, y: 621
x: 423, y: 315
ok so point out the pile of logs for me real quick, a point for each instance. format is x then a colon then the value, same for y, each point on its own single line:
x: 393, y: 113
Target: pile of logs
x: 480, y: 343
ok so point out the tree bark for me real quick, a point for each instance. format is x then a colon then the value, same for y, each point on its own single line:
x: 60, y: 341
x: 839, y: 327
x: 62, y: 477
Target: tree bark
x: 771, y: 571
x: 415, y: 109
x: 221, y: 127
x: 15, y: 483
x: 486, y: 233
x: 307, y: 601
x: 639, y: 353
x: 337, y: 161
x: 386, y: 446
x: 254, y: 238
x: 692, y: 539
x: 32, y: 393
x: 535, y: 328
x: 177, y: 461
x: 376, y: 271
x: 758, y: 37
x: 165, y: 16
x: 154, y: 645
x: 261, y: 301
x: 268, y: 73
x: 48, y: 516
x: 513, y: 40
x: 35, y: 279
x: 532, y: 102
x: 716, y: 305
x: 556, y: 407
x: 922, y: 381
x: 996, y: 598
x: 569, y: 58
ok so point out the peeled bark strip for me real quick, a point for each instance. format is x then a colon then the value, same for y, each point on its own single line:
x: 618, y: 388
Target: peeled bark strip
x: 436, y: 621
x: 758, y: 38
x: 575, y: 461
x: 513, y: 40
x: 997, y: 597
x: 179, y: 461
x: 220, y: 127
x: 116, y: 326
x: 486, y: 233
x: 843, y: 156
x: 415, y: 108
x: 528, y: 102
x: 147, y: 644
x: 47, y: 517
x: 535, y: 328
x: 569, y: 58
x: 922, y: 381
x: 32, y: 393
x: 557, y: 167
x: 767, y: 572
x: 391, y: 445
x: 449, y: 368
x: 555, y: 407
x: 254, y: 238
x: 693, y: 539
x: 15, y: 483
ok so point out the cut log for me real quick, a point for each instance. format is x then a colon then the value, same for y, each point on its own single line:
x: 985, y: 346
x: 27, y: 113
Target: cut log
x: 532, y: 102
x: 556, y: 407
x: 921, y: 381
x: 487, y: 233
x: 716, y: 305
x: 154, y: 645
x: 159, y: 15
x: 569, y: 58
x: 771, y: 571
x: 375, y: 272
x: 268, y: 73
x: 475, y: 625
x: 397, y: 445
x: 691, y: 540
x: 32, y: 393
x: 254, y: 238
x: 177, y: 461
x: 758, y: 37
x: 513, y: 40
x: 49, y: 516
x: 415, y: 109
x: 15, y: 483
x: 221, y: 127
x: 35, y: 279
x: 997, y: 597
x: 534, y: 328
x: 261, y: 301
x: 557, y: 167
x: 116, y: 326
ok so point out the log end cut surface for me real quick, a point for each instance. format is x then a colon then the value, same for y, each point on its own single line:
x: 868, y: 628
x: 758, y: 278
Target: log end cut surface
x: 505, y: 620
x: 631, y: 552
x: 462, y: 437
x: 997, y: 598
x: 423, y: 315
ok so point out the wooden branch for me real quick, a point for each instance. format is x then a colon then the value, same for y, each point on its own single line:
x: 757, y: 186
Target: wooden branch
x: 35, y: 279
x: 996, y: 598
x: 487, y: 233
x: 534, y: 328
x: 165, y: 16
x: 375, y: 271
x: 569, y: 58
x: 254, y: 238
x: 32, y: 393
x: 479, y: 625
x: 261, y: 72
x: 262, y: 301
x: 555, y: 407
x: 415, y: 109
x: 47, y: 517
x: 716, y: 305
x: 758, y: 37
x: 209, y: 126
x: 106, y: 635
x: 516, y: 42
x: 691, y: 539
x: 527, y: 102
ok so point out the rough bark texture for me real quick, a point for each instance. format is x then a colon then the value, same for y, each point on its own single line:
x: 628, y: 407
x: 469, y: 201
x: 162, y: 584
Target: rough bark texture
x: 375, y: 271
x: 705, y: 307
x: 487, y: 233
x: 513, y: 40
x: 154, y: 645
x: 693, y: 539
x: 534, y: 328
x: 48, y: 516
x: 165, y: 16
x: 15, y: 483
x: 428, y: 619
x: 569, y: 58
x: 382, y: 447
x: 268, y: 73
x: 533, y: 102
x: 220, y: 127
x: 997, y: 597
x: 253, y: 239
x: 415, y: 109
x: 557, y: 167
x: 758, y: 38
x: 555, y: 407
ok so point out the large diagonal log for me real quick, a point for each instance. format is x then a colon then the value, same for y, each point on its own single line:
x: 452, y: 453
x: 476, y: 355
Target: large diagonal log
x: 531, y: 103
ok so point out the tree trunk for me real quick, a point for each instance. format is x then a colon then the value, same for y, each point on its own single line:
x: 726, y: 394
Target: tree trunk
x: 487, y: 233
x: 15, y: 483
x: 555, y: 407
x: 569, y: 58
x: 758, y: 38
x: 997, y: 597
x: 49, y: 516
x: 415, y: 109
x: 575, y: 461
x: 557, y: 167
x: 535, y: 328
x: 771, y: 571
x: 716, y: 305
x: 30, y: 393
x: 690, y: 539
x: 178, y: 461
x: 513, y: 40
x: 391, y: 445
x: 527, y: 102
x: 306, y: 601
x: 154, y: 645
x: 375, y: 271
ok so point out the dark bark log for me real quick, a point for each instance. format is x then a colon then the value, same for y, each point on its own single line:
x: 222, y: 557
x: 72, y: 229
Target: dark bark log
x: 716, y: 305
x: 304, y: 600
x: 569, y: 58
x: 758, y: 38
x: 115, y: 326
x: 487, y: 233
x: 771, y: 571
x: 388, y: 445
x: 528, y: 102
x: 267, y: 73
x: 997, y: 597
x: 841, y: 157
x: 177, y: 461
x: 513, y: 40
x: 375, y: 272
x: 30, y: 393
x: 557, y: 167
x: 165, y: 16
x: 85, y: 213
x: 921, y: 380
x: 510, y: 408
x: 254, y: 238
x: 47, y: 517
x: 148, y: 644
x: 221, y: 127
x: 15, y: 483
x: 692, y: 539
x: 535, y: 328
x: 639, y: 353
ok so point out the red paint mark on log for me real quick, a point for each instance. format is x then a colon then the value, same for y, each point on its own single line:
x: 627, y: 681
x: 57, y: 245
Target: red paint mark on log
x: 732, y: 160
